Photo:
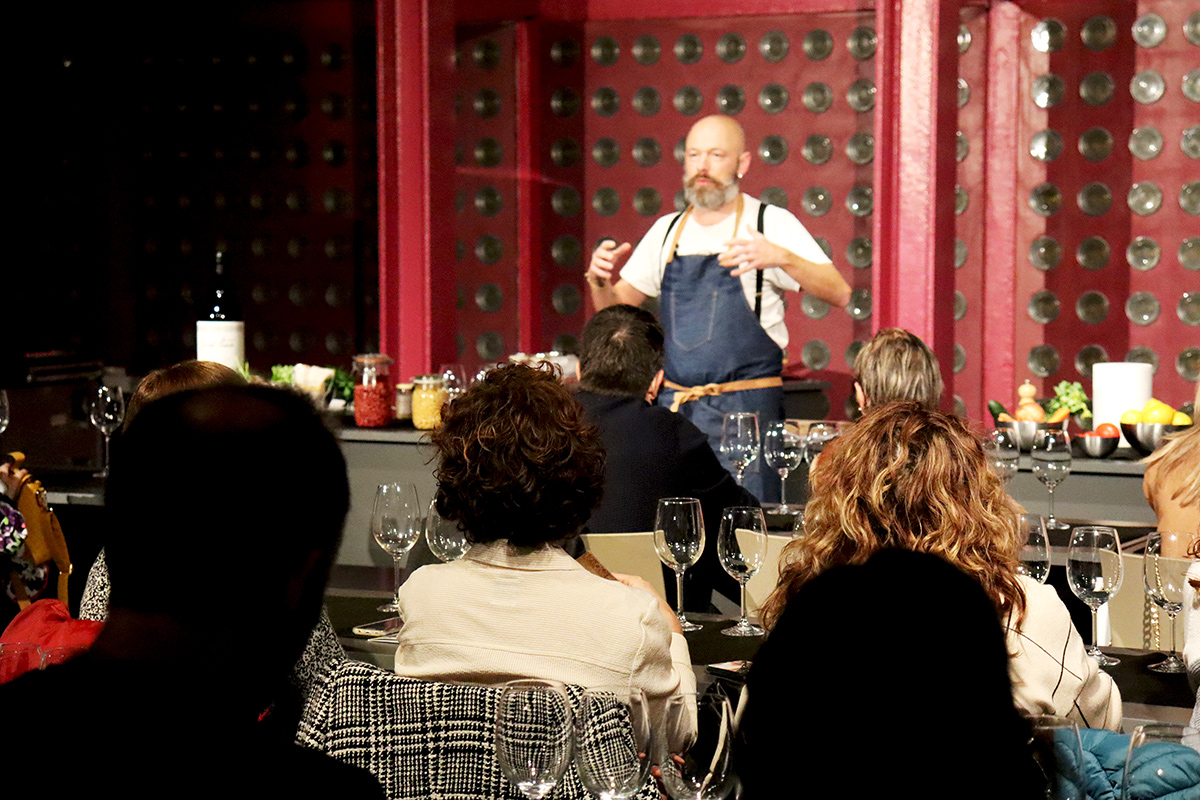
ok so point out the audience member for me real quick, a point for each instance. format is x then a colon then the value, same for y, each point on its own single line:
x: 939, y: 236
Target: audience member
x: 519, y: 469
x: 927, y: 706
x: 210, y: 606
x: 910, y: 477
x: 651, y: 453
x: 1172, y: 480
x: 896, y: 365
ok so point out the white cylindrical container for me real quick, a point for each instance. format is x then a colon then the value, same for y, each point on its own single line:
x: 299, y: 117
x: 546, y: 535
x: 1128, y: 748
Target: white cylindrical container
x: 1117, y: 387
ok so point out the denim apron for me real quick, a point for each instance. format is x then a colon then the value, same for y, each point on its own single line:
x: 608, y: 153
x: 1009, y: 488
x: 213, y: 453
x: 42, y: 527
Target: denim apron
x: 713, y: 336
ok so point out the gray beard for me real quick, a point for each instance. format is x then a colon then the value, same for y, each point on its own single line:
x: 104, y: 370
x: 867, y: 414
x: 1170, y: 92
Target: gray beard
x: 710, y: 198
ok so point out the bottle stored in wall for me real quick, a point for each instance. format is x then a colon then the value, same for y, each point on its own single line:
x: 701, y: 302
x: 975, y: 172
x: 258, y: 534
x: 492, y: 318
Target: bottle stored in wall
x: 220, y: 330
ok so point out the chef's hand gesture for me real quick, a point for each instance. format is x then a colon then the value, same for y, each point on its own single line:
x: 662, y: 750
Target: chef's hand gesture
x: 605, y: 259
x: 753, y: 253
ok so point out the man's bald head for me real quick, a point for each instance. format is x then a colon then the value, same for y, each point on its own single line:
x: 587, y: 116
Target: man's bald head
x: 715, y: 159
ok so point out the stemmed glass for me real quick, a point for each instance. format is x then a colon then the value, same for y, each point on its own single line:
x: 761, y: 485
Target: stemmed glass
x: 679, y: 540
x: 1051, y: 455
x: 1142, y: 778
x: 533, y: 735
x: 395, y: 526
x: 1094, y: 572
x: 613, y: 742
x: 3, y: 411
x: 454, y: 380
x: 445, y: 539
x: 1058, y: 753
x: 695, y: 752
x: 106, y: 410
x: 820, y: 434
x: 1002, y: 451
x: 1035, y: 553
x: 742, y: 548
x: 1166, y: 583
x: 739, y: 440
x: 783, y: 450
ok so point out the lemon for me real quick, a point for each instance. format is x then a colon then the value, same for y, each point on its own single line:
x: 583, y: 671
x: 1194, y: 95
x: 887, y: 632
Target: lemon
x: 1152, y: 404
x: 1181, y: 418
x: 1159, y: 414
x: 1131, y: 417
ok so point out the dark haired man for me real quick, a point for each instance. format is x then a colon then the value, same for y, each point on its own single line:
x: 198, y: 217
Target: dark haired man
x: 218, y: 559
x: 652, y: 453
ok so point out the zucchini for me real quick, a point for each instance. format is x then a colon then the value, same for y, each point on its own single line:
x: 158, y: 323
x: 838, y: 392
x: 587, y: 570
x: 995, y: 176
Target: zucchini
x: 996, y: 410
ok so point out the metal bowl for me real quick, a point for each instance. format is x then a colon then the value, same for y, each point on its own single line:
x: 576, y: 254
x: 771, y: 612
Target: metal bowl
x: 1145, y: 437
x: 1024, y: 431
x: 1099, y: 446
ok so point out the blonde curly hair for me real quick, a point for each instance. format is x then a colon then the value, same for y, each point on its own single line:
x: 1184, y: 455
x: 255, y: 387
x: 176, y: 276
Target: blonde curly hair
x: 914, y: 478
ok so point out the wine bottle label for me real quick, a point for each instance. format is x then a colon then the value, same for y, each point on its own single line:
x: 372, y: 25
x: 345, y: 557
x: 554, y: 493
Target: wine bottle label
x: 221, y: 341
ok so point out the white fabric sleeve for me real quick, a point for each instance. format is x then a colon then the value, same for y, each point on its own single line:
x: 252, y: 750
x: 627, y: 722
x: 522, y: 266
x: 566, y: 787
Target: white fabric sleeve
x: 646, y: 264
x: 782, y: 228
x: 663, y: 669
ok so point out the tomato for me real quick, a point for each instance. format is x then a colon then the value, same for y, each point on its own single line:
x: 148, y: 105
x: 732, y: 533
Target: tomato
x: 1107, y: 430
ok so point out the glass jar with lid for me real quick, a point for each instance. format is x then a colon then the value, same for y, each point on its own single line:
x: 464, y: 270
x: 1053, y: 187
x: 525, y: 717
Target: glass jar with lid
x: 429, y: 393
x: 373, y: 394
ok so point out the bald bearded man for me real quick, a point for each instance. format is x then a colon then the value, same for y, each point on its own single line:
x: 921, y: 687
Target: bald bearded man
x: 720, y: 268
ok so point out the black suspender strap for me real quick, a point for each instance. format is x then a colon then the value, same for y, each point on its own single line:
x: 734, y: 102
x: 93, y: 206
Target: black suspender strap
x: 758, y: 278
x: 667, y: 235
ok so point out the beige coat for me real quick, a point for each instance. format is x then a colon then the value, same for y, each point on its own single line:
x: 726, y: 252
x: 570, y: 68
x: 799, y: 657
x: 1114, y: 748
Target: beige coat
x: 1049, y: 666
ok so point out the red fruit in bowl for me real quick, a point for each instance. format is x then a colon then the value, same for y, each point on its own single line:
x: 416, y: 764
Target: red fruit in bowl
x: 1108, y: 430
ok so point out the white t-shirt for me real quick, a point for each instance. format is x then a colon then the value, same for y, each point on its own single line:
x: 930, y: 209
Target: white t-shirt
x: 646, y: 265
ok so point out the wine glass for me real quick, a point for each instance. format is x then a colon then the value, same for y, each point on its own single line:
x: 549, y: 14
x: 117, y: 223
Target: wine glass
x: 395, y: 526
x: 1035, y: 553
x: 533, y: 735
x: 1002, y: 452
x: 742, y: 548
x: 739, y: 440
x: 1166, y: 583
x: 1144, y: 758
x: 17, y: 658
x: 445, y: 539
x: 679, y: 540
x: 820, y: 434
x: 1051, y: 455
x: 1058, y: 753
x: 1094, y: 572
x: 106, y: 410
x: 695, y: 756
x: 613, y: 745
x: 3, y: 411
x: 783, y: 450
x: 454, y: 380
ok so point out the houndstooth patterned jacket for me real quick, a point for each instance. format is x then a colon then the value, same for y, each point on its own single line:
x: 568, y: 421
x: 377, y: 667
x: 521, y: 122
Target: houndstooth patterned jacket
x: 421, y: 739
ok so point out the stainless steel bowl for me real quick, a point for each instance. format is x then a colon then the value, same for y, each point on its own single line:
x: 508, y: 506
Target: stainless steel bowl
x: 1145, y: 437
x: 1025, y: 430
x: 1099, y: 446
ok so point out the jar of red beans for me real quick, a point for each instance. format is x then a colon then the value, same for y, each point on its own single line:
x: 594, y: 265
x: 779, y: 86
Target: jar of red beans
x: 373, y: 392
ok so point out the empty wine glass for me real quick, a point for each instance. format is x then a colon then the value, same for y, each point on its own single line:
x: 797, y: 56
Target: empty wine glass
x: 1035, y: 553
x: 395, y: 526
x: 1166, y: 583
x: 3, y: 411
x: 820, y: 434
x: 783, y: 450
x: 1058, y: 753
x: 17, y: 658
x: 533, y: 735
x: 613, y: 742
x: 454, y: 380
x: 679, y: 540
x: 1094, y: 572
x: 1002, y: 452
x: 1051, y: 456
x: 697, y: 766
x: 106, y: 410
x: 445, y: 539
x: 739, y: 440
x: 1144, y: 758
x: 742, y: 548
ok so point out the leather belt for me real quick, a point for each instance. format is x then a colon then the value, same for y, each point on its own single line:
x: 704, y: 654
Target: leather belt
x: 685, y: 394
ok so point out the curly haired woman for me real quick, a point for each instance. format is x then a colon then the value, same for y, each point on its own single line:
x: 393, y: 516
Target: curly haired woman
x: 917, y: 479
x: 519, y: 469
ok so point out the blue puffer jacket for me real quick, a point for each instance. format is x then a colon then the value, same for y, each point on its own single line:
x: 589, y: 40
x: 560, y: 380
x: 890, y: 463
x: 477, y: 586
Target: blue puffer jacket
x: 1160, y: 771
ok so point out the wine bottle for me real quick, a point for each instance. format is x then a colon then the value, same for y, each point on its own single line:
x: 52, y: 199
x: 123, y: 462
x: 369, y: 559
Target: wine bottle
x: 220, y: 331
